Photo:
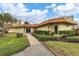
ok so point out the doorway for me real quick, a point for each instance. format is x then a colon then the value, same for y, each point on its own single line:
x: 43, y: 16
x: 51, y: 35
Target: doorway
x: 28, y: 30
x: 56, y: 29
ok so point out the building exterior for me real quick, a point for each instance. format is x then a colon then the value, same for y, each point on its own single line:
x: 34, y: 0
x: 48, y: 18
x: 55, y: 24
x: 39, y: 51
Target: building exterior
x: 53, y: 25
x: 77, y: 28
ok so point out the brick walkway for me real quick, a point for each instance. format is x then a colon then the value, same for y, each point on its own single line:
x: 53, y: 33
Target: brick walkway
x: 35, y: 49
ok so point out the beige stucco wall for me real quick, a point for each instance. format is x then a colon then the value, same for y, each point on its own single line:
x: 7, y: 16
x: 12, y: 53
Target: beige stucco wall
x: 50, y: 27
x: 20, y: 30
x: 62, y: 27
x: 45, y: 27
x: 15, y: 30
x: 32, y: 30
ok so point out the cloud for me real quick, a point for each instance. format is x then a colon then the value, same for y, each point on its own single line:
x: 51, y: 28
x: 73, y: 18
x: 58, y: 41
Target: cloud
x: 37, y: 15
x: 67, y: 9
x: 14, y: 9
x: 21, y: 12
x: 51, y: 6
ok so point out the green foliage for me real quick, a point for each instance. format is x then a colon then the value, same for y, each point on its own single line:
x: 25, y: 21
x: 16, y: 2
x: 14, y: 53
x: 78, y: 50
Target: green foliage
x: 1, y: 34
x: 68, y: 32
x: 72, y: 38
x: 4, y: 19
x: 18, y: 35
x: 10, y: 44
x: 7, y: 17
x: 1, y: 30
x: 43, y: 32
x: 44, y: 37
x: 1, y: 17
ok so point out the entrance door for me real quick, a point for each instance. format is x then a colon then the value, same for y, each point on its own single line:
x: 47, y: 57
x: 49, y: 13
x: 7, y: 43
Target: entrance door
x: 28, y: 30
x: 56, y: 29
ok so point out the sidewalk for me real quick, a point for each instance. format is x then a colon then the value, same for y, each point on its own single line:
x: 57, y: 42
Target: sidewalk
x: 35, y: 49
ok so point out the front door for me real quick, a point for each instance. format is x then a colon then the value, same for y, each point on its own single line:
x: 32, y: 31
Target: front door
x: 56, y: 29
x: 28, y: 30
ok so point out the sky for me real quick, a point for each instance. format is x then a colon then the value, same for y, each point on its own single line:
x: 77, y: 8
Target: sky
x: 39, y: 12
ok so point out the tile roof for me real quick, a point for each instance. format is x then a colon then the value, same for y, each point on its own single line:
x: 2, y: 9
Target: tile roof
x: 25, y: 25
x: 53, y: 21
x: 57, y: 20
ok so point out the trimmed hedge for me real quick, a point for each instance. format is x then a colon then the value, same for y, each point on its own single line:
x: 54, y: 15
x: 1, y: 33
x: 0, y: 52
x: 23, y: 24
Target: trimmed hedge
x: 43, y: 32
x: 44, y: 37
x: 72, y: 38
x: 56, y: 38
x: 67, y: 32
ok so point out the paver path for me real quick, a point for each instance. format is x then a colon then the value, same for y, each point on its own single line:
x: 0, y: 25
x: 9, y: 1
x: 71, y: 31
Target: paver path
x: 35, y: 49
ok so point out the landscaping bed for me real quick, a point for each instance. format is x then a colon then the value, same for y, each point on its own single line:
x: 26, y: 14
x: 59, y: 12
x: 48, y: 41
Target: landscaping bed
x: 72, y: 39
x: 10, y: 44
x: 65, y: 38
x: 61, y: 44
x: 46, y: 37
x: 63, y: 48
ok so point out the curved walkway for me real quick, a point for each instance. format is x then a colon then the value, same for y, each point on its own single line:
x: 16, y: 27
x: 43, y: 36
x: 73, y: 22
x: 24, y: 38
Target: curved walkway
x: 35, y: 49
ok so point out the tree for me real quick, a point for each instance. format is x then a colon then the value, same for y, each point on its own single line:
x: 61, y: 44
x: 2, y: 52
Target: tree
x: 26, y: 22
x: 1, y: 20
x: 5, y: 18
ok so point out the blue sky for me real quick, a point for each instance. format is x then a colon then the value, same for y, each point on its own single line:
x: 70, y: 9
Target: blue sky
x: 38, y: 12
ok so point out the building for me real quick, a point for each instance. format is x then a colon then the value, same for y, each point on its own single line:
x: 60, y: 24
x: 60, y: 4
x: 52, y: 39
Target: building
x: 77, y: 28
x: 53, y: 25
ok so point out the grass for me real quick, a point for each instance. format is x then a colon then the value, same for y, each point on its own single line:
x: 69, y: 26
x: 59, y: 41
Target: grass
x: 64, y: 48
x: 10, y: 44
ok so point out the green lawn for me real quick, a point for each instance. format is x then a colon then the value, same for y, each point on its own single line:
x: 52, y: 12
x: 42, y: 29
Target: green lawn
x: 64, y: 48
x: 10, y: 44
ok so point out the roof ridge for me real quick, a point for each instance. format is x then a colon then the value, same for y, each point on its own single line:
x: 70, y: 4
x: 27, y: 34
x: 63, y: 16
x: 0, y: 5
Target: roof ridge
x: 52, y: 19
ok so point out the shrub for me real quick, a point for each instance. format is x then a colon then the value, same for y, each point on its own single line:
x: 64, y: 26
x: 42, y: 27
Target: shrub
x: 44, y: 37
x: 72, y: 38
x: 18, y: 35
x: 1, y: 34
x: 43, y: 32
x: 6, y: 31
x: 1, y: 30
x: 52, y: 33
x: 67, y: 32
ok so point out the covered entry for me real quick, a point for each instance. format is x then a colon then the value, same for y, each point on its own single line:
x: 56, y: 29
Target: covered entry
x: 28, y: 30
